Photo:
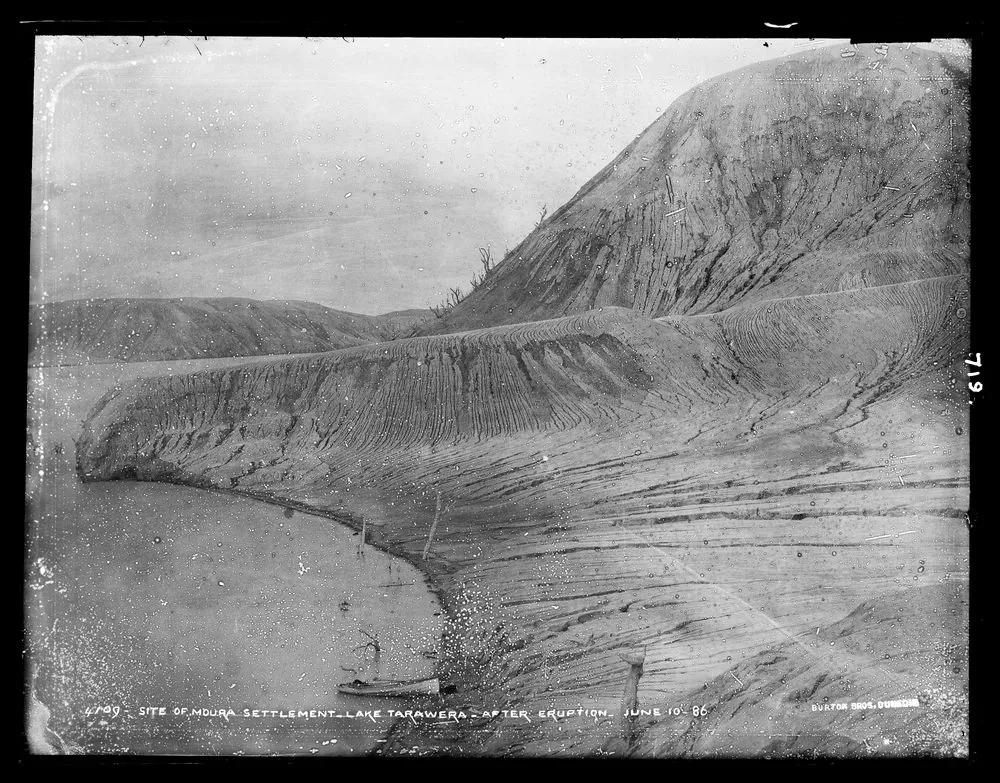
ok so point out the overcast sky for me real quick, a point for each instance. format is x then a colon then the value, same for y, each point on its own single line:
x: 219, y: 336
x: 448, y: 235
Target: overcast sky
x: 362, y: 175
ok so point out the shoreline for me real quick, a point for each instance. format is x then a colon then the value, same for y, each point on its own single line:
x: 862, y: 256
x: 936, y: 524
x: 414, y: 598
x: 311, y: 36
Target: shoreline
x: 349, y: 523
x: 353, y: 523
x: 346, y: 519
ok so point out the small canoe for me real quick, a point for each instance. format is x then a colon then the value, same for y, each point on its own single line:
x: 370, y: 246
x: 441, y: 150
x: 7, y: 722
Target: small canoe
x: 391, y: 687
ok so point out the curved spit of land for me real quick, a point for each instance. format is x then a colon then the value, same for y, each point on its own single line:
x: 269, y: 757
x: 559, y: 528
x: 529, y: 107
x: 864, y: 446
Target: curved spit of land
x: 710, y: 488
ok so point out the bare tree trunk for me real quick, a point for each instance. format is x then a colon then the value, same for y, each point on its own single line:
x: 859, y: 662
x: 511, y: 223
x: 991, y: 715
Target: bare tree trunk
x: 631, y: 700
x: 434, y: 524
x: 364, y: 535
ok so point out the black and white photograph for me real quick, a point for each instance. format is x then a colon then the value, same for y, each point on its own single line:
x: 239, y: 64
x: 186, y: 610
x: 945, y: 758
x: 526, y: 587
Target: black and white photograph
x: 564, y: 397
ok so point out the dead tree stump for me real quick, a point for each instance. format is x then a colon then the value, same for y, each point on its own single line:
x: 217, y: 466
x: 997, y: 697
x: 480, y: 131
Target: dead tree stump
x: 631, y: 701
x: 434, y: 524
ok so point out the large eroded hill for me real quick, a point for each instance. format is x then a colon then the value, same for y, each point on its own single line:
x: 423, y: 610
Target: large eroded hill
x: 812, y: 173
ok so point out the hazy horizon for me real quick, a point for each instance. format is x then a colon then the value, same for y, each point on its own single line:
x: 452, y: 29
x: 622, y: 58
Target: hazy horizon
x: 360, y: 175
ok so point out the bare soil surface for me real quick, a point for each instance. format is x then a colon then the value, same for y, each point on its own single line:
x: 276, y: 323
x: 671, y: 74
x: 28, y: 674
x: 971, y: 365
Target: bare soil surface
x: 707, y: 488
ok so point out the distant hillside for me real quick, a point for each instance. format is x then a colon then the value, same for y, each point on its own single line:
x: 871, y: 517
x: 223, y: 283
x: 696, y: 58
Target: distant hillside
x: 135, y: 330
x: 827, y: 170
x: 407, y: 320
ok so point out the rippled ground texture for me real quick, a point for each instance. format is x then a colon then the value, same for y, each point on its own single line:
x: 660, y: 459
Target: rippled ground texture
x: 708, y: 487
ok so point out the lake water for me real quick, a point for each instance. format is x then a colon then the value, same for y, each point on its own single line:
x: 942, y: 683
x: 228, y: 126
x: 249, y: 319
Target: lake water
x: 151, y: 598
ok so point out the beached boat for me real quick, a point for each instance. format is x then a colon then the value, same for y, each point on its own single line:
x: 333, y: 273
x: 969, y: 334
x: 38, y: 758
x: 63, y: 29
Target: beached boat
x: 391, y: 687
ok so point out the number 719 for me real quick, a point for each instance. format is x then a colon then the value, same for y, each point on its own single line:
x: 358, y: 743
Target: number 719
x: 975, y: 386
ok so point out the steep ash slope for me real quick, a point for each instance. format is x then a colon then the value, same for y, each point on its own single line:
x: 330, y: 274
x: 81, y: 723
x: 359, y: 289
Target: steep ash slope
x: 813, y: 173
x: 129, y: 330
x: 694, y: 485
